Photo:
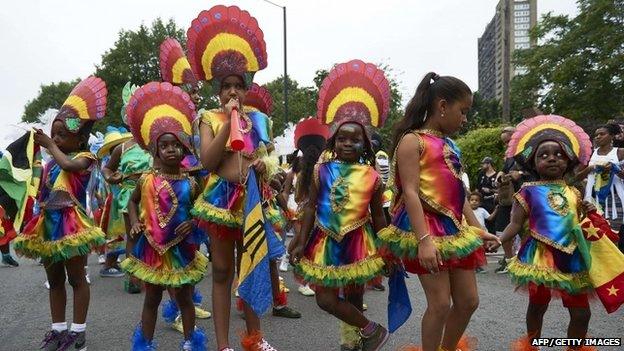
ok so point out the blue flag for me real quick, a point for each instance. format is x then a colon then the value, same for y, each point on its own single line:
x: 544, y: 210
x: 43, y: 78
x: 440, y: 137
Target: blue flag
x: 254, y: 280
x: 399, y: 305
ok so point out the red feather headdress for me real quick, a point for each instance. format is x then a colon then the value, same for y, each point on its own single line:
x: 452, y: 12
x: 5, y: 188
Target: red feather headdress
x: 160, y: 108
x: 259, y: 98
x: 354, y: 91
x: 86, y: 102
x: 225, y: 41
x: 174, y: 66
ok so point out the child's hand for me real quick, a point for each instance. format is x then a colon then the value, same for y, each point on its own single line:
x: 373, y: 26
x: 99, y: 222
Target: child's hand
x: 231, y: 105
x: 491, y: 241
x: 428, y: 255
x: 184, y: 229
x: 137, y: 228
x: 259, y: 166
x: 115, y: 178
x: 42, y: 139
x: 295, y: 251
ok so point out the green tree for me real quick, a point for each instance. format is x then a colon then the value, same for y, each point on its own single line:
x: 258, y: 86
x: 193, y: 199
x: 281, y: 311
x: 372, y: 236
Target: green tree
x: 301, y: 103
x: 50, y: 96
x: 477, y: 144
x: 484, y: 112
x: 577, y: 70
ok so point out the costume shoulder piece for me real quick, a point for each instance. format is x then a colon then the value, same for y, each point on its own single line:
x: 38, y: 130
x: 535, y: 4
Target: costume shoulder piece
x: 225, y: 41
x: 86, y: 102
x: 174, y: 66
x: 160, y: 108
x: 354, y: 91
x: 532, y: 132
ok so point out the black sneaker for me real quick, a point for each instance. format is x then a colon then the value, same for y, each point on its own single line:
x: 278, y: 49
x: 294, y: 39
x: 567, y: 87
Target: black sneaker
x: 376, y: 340
x: 9, y: 261
x: 286, y: 312
x: 52, y: 340
x: 74, y: 341
x: 502, y: 268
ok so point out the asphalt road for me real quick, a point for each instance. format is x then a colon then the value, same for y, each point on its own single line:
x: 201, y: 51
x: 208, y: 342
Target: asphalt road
x: 24, y: 315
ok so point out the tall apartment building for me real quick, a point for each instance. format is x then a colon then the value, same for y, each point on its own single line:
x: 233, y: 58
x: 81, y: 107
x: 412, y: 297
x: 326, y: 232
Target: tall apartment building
x: 507, y: 31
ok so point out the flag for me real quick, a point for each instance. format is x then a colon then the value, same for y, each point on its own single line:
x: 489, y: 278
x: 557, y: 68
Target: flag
x: 604, y: 180
x: 606, y: 271
x: 254, y: 280
x: 399, y: 305
x: 19, y: 177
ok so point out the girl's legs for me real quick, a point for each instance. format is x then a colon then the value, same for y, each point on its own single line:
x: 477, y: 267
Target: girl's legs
x: 153, y: 295
x: 184, y: 299
x: 437, y: 289
x: 55, y: 273
x: 252, y: 321
x: 134, y: 284
x: 76, y: 278
x: 465, y: 302
x: 535, y: 318
x: 222, y: 253
x: 327, y: 299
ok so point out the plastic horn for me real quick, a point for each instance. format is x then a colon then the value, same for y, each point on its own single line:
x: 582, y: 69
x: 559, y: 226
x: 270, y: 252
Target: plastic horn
x: 236, y: 137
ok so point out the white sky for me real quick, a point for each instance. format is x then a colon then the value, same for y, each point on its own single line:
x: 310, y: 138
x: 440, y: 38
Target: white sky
x: 49, y: 41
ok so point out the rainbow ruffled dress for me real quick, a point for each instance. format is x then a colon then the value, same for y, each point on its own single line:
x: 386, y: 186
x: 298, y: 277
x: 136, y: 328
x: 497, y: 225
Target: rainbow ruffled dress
x: 443, y: 195
x: 551, y: 255
x: 133, y: 162
x: 219, y: 209
x: 62, y: 229
x: 341, y: 250
x: 160, y: 256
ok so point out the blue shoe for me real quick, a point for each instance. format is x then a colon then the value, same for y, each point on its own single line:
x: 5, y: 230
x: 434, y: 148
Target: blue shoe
x: 139, y: 343
x: 197, y: 342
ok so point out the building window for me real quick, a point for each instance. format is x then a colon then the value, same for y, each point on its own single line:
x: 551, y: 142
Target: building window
x: 521, y: 33
x: 521, y: 26
x: 522, y: 40
x: 521, y: 6
x: 521, y: 20
x: 522, y: 46
x: 522, y: 13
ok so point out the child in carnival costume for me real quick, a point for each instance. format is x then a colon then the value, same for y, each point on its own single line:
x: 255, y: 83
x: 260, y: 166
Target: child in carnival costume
x: 433, y: 229
x: 62, y: 234
x: 226, y: 47
x: 164, y: 253
x: 336, y: 250
x: 175, y: 69
x: 258, y: 98
x: 112, y: 221
x: 567, y: 252
x: 128, y: 161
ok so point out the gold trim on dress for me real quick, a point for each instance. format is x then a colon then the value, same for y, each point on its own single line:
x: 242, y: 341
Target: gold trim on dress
x: 567, y: 249
x: 163, y: 220
x: 343, y: 231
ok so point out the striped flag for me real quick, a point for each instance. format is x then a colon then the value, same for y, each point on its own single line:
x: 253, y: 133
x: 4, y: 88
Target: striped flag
x: 606, y: 270
x: 254, y: 280
x: 20, y: 172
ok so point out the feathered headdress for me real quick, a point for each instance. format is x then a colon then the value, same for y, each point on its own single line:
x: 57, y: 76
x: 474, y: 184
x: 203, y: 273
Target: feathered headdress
x: 354, y: 91
x: 174, y: 66
x: 225, y: 41
x: 311, y: 131
x: 534, y: 131
x: 126, y: 93
x: 260, y: 98
x: 86, y: 102
x: 160, y: 108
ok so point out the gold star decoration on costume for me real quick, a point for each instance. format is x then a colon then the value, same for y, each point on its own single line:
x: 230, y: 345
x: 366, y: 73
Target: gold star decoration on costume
x: 592, y: 232
x: 613, y: 291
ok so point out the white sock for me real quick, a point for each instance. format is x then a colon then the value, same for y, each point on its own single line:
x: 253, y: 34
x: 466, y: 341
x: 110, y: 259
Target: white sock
x: 78, y: 328
x: 187, y: 345
x: 59, y: 327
